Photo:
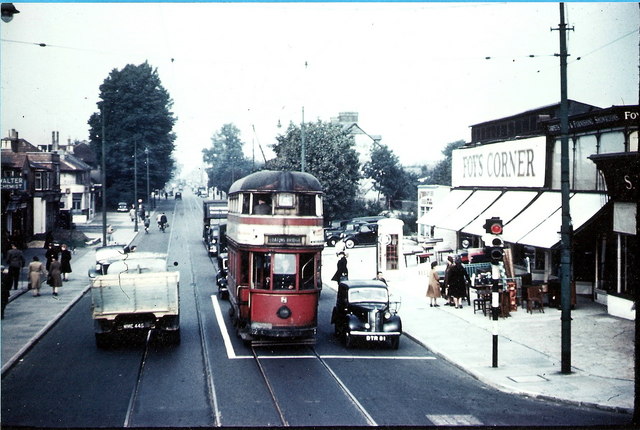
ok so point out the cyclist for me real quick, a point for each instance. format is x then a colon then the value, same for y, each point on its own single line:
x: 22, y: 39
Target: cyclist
x: 162, y: 221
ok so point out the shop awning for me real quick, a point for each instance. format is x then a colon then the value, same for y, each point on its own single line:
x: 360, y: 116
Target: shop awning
x: 477, y: 203
x: 546, y: 231
x: 509, y: 205
x: 451, y: 202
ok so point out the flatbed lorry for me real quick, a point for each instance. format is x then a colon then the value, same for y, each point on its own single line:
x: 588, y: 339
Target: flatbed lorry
x: 133, y: 301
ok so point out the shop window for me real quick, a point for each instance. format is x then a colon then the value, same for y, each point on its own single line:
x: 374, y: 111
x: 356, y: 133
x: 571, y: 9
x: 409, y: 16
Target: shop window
x: 76, y: 204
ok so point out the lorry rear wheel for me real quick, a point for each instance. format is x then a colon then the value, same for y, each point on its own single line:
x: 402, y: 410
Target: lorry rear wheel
x: 171, y: 337
x: 103, y: 340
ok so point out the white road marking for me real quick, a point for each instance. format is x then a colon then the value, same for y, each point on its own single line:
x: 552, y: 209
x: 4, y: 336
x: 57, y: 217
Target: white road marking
x: 223, y: 327
x: 454, y: 420
x: 231, y: 354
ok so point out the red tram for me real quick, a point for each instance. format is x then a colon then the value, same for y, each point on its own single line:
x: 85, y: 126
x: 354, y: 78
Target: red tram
x: 275, y: 239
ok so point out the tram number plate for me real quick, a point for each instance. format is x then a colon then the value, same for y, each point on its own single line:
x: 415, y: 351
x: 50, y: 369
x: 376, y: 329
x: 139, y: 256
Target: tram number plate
x: 376, y: 338
x: 133, y: 325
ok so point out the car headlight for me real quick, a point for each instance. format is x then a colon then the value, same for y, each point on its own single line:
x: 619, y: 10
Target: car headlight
x: 367, y: 326
x: 387, y: 315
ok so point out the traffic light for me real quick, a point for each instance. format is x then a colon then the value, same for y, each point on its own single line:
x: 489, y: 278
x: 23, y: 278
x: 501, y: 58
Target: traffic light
x: 495, y: 247
x: 493, y: 225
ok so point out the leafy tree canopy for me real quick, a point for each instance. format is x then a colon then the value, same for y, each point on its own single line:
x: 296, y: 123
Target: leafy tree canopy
x: 389, y: 178
x: 135, y: 112
x: 329, y: 156
x: 226, y: 158
x: 441, y: 172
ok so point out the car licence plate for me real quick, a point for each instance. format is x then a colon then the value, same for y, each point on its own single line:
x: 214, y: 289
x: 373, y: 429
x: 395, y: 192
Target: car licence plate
x: 376, y: 338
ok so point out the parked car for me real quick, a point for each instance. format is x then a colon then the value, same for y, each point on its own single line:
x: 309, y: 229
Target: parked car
x: 123, y: 207
x: 333, y: 232
x: 178, y: 195
x: 361, y: 234
x: 364, y: 312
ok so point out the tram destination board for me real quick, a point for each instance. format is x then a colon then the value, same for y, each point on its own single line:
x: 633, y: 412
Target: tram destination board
x: 282, y: 239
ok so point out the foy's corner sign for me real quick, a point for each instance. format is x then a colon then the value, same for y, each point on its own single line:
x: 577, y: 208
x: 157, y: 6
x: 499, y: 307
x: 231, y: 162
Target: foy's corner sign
x: 516, y: 163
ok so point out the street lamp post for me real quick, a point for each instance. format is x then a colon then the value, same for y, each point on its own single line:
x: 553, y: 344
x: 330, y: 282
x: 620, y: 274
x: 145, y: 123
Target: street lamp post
x: 146, y: 151
x: 135, y: 180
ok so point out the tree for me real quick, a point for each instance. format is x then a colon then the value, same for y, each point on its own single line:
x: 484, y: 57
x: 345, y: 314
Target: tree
x: 226, y: 158
x: 388, y: 176
x: 330, y: 157
x: 441, y: 173
x: 135, y: 111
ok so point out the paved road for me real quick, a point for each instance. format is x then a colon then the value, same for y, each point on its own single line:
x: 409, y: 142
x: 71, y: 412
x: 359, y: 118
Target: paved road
x: 203, y: 381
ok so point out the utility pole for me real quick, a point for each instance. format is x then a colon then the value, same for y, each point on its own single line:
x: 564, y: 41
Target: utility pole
x: 302, y: 148
x: 103, y: 178
x: 566, y: 229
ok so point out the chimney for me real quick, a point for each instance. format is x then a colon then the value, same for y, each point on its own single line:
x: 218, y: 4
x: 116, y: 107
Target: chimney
x: 54, y: 141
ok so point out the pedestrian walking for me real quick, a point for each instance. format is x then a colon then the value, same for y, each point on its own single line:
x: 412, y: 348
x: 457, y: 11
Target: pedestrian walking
x: 342, y: 271
x: 6, y: 288
x: 36, y: 271
x: 132, y: 213
x: 52, y: 251
x: 55, y: 276
x: 15, y: 260
x: 147, y: 222
x: 433, y: 289
x: 65, y: 261
x: 458, y: 278
x: 445, y: 287
x: 380, y: 277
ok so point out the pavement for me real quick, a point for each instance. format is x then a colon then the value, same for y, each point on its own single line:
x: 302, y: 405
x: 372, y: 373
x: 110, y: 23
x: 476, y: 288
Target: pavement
x: 529, y: 344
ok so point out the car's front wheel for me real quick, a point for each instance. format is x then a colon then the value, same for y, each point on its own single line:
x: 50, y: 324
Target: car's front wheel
x: 348, y: 340
x: 395, y: 342
x: 349, y: 243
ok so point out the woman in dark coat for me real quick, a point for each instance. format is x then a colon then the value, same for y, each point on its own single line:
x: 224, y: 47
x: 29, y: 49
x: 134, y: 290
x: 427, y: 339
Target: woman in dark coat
x: 52, y: 252
x: 65, y: 261
x: 458, y: 277
x: 342, y: 271
x: 55, y: 276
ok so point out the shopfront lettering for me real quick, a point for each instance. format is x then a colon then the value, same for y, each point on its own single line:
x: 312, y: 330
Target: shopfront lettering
x: 502, y: 164
x: 515, y: 163
x: 631, y: 115
x: 628, y: 184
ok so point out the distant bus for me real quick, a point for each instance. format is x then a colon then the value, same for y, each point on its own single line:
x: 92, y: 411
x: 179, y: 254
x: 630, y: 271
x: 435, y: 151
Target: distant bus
x: 214, y: 225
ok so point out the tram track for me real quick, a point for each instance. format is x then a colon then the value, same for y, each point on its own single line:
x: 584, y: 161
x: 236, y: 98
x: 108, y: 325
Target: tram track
x: 338, y: 382
x: 211, y: 391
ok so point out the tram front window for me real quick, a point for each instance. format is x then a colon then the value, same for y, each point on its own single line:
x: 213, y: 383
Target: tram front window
x: 284, y: 271
x: 307, y: 271
x: 261, y: 270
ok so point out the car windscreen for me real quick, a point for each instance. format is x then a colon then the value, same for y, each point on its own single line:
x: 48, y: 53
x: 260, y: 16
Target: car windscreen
x: 367, y: 294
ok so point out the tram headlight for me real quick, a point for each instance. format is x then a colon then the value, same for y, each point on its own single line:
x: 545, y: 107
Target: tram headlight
x: 284, y: 312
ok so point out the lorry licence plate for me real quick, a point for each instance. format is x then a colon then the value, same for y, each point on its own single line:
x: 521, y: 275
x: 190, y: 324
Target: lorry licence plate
x: 133, y: 325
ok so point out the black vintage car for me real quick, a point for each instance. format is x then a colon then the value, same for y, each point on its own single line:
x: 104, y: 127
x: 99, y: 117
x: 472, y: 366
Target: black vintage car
x: 364, y: 312
x: 361, y: 234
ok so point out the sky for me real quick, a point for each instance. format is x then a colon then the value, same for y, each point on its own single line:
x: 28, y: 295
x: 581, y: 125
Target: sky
x: 418, y: 74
